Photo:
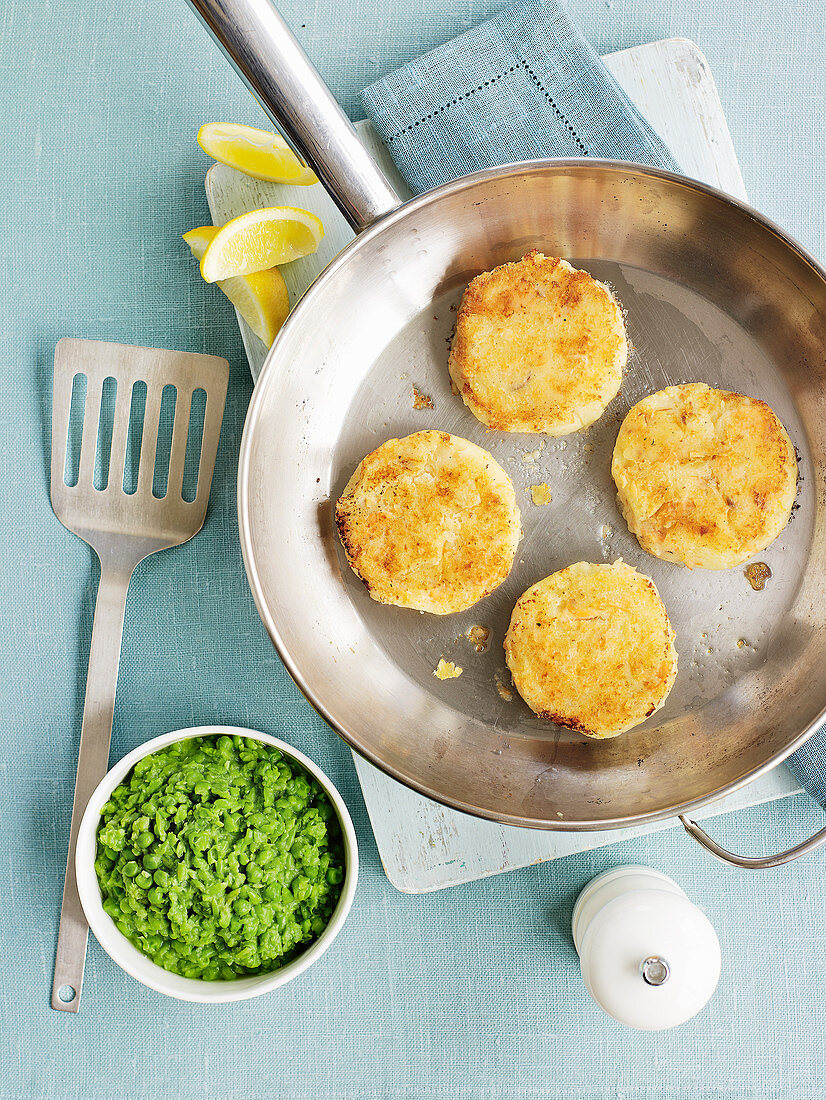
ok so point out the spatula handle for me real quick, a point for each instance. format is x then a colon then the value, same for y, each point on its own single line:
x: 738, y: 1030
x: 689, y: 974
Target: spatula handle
x: 93, y: 761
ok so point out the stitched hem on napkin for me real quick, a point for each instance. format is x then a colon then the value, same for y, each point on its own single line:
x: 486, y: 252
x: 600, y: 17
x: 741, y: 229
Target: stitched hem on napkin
x: 522, y: 86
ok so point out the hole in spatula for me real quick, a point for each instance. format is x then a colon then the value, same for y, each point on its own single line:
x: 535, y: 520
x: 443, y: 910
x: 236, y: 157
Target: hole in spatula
x: 106, y: 424
x: 67, y: 994
x: 194, y: 439
x: 71, y: 470
x: 132, y: 459
x: 163, y: 448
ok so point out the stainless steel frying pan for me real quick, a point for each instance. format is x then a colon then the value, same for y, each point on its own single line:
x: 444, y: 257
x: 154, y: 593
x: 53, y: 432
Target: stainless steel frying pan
x: 713, y: 292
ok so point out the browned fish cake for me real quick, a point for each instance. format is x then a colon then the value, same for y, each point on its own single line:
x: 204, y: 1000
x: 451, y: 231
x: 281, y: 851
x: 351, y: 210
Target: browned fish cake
x: 591, y: 648
x: 704, y: 477
x: 539, y: 347
x: 429, y: 522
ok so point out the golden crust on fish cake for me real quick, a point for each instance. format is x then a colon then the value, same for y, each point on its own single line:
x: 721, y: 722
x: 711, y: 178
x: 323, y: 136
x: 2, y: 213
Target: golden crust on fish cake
x: 539, y: 347
x: 704, y: 477
x: 429, y: 522
x: 591, y: 648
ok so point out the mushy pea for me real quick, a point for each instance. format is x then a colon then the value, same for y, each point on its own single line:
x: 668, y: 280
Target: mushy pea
x: 218, y: 857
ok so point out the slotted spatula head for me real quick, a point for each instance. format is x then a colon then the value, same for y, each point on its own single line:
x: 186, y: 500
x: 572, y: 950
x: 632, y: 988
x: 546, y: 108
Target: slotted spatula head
x: 132, y: 461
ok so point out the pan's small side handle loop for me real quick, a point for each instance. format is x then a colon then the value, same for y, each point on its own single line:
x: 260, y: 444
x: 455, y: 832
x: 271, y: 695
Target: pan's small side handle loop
x: 754, y: 863
x: 264, y: 51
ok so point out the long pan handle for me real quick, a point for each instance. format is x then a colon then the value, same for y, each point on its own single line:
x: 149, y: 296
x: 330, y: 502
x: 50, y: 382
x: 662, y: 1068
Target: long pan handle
x: 93, y: 760
x: 263, y: 50
x: 752, y: 863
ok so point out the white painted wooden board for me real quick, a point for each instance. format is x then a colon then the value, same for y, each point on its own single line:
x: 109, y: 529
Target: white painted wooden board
x: 424, y: 846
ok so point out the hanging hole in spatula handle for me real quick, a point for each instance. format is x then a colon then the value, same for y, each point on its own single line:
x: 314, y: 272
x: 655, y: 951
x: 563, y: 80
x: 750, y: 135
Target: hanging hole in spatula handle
x: 93, y: 760
x: 753, y: 863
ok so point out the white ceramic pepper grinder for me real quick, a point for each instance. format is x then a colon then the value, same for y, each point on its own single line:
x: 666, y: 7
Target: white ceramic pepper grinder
x: 649, y: 957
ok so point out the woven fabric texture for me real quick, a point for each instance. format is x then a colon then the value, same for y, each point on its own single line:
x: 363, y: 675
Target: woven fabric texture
x: 808, y: 765
x: 521, y: 86
x: 468, y: 994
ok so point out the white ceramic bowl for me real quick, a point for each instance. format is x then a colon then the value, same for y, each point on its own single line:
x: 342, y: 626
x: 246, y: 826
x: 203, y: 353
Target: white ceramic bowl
x: 137, y: 964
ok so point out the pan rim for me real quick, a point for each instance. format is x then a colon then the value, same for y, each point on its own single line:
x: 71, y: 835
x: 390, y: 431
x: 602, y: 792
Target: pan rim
x: 350, y: 737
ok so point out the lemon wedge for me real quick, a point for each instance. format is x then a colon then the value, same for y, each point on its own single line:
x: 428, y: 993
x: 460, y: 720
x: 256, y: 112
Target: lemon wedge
x: 256, y: 153
x: 261, y: 298
x: 261, y: 239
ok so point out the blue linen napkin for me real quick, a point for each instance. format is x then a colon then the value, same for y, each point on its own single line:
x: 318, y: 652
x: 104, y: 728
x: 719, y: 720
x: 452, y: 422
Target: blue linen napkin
x: 521, y: 86
x: 808, y: 766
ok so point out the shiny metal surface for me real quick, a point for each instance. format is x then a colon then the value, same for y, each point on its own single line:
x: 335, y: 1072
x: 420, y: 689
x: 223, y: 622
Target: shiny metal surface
x: 712, y: 292
x: 258, y: 43
x: 655, y: 971
x: 123, y: 529
x: 751, y: 863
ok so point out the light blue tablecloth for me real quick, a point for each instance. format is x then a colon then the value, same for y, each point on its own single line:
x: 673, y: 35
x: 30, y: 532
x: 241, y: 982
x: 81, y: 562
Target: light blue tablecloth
x: 468, y: 993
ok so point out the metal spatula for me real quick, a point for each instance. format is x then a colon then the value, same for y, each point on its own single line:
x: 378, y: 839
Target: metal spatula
x: 127, y: 502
